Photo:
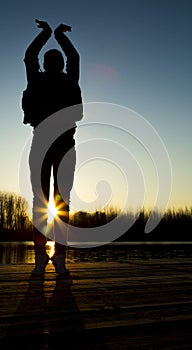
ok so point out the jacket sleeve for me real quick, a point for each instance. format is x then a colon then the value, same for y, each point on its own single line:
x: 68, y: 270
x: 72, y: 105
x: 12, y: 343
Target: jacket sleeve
x: 73, y: 59
x: 31, y: 55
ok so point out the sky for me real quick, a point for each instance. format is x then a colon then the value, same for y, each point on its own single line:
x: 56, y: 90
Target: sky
x: 135, y: 54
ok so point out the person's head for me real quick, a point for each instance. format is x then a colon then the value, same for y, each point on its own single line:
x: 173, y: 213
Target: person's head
x: 53, y: 61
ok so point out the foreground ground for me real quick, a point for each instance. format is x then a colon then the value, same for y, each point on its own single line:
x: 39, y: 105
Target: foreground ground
x: 141, y: 304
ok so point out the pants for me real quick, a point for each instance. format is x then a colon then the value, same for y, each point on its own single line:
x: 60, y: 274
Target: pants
x: 52, y: 160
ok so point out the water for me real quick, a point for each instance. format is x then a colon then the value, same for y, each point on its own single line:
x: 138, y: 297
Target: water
x: 23, y: 252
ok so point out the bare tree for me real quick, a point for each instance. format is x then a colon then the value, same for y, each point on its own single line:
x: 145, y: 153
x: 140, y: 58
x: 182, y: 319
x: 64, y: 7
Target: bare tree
x: 13, y: 212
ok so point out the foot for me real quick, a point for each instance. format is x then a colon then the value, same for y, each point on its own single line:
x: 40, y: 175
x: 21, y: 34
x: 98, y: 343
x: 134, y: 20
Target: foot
x: 41, y: 261
x: 59, y: 264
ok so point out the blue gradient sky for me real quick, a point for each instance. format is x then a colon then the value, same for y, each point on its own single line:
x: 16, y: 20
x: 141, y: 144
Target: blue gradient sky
x: 135, y: 53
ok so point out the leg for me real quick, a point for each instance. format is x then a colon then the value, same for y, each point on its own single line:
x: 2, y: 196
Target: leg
x: 40, y: 202
x: 63, y: 182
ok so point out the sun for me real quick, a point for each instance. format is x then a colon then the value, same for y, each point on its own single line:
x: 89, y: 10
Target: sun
x: 52, y: 211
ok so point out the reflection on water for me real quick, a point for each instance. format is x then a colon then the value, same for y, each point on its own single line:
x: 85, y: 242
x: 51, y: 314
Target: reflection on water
x: 23, y: 252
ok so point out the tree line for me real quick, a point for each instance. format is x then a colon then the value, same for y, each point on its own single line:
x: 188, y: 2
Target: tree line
x: 15, y: 224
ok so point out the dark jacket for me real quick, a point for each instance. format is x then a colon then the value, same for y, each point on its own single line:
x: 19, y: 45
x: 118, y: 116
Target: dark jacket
x: 47, y: 94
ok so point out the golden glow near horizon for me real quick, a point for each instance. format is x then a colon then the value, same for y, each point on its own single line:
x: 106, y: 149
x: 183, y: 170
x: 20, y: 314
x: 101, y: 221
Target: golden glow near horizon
x: 100, y: 184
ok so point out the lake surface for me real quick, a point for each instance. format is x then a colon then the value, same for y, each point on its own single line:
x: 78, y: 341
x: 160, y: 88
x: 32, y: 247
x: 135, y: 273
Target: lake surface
x: 23, y: 252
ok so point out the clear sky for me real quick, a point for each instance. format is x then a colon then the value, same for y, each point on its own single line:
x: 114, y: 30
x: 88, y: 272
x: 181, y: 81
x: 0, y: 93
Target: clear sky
x: 134, y: 53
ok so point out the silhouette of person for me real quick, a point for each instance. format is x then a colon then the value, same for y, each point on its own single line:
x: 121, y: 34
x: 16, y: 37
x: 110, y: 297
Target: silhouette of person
x: 48, y: 92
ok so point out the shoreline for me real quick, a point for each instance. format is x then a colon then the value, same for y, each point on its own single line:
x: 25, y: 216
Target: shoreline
x: 119, y: 243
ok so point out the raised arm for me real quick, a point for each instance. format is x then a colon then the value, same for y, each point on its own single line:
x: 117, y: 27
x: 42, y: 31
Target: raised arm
x: 31, y: 55
x: 73, y: 59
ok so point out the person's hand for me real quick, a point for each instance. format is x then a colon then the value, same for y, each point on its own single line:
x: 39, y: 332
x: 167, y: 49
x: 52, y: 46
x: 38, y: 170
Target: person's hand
x: 42, y: 24
x: 63, y: 28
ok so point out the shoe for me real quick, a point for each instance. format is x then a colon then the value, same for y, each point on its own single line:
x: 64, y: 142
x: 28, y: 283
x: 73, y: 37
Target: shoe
x: 41, y: 261
x: 59, y: 264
